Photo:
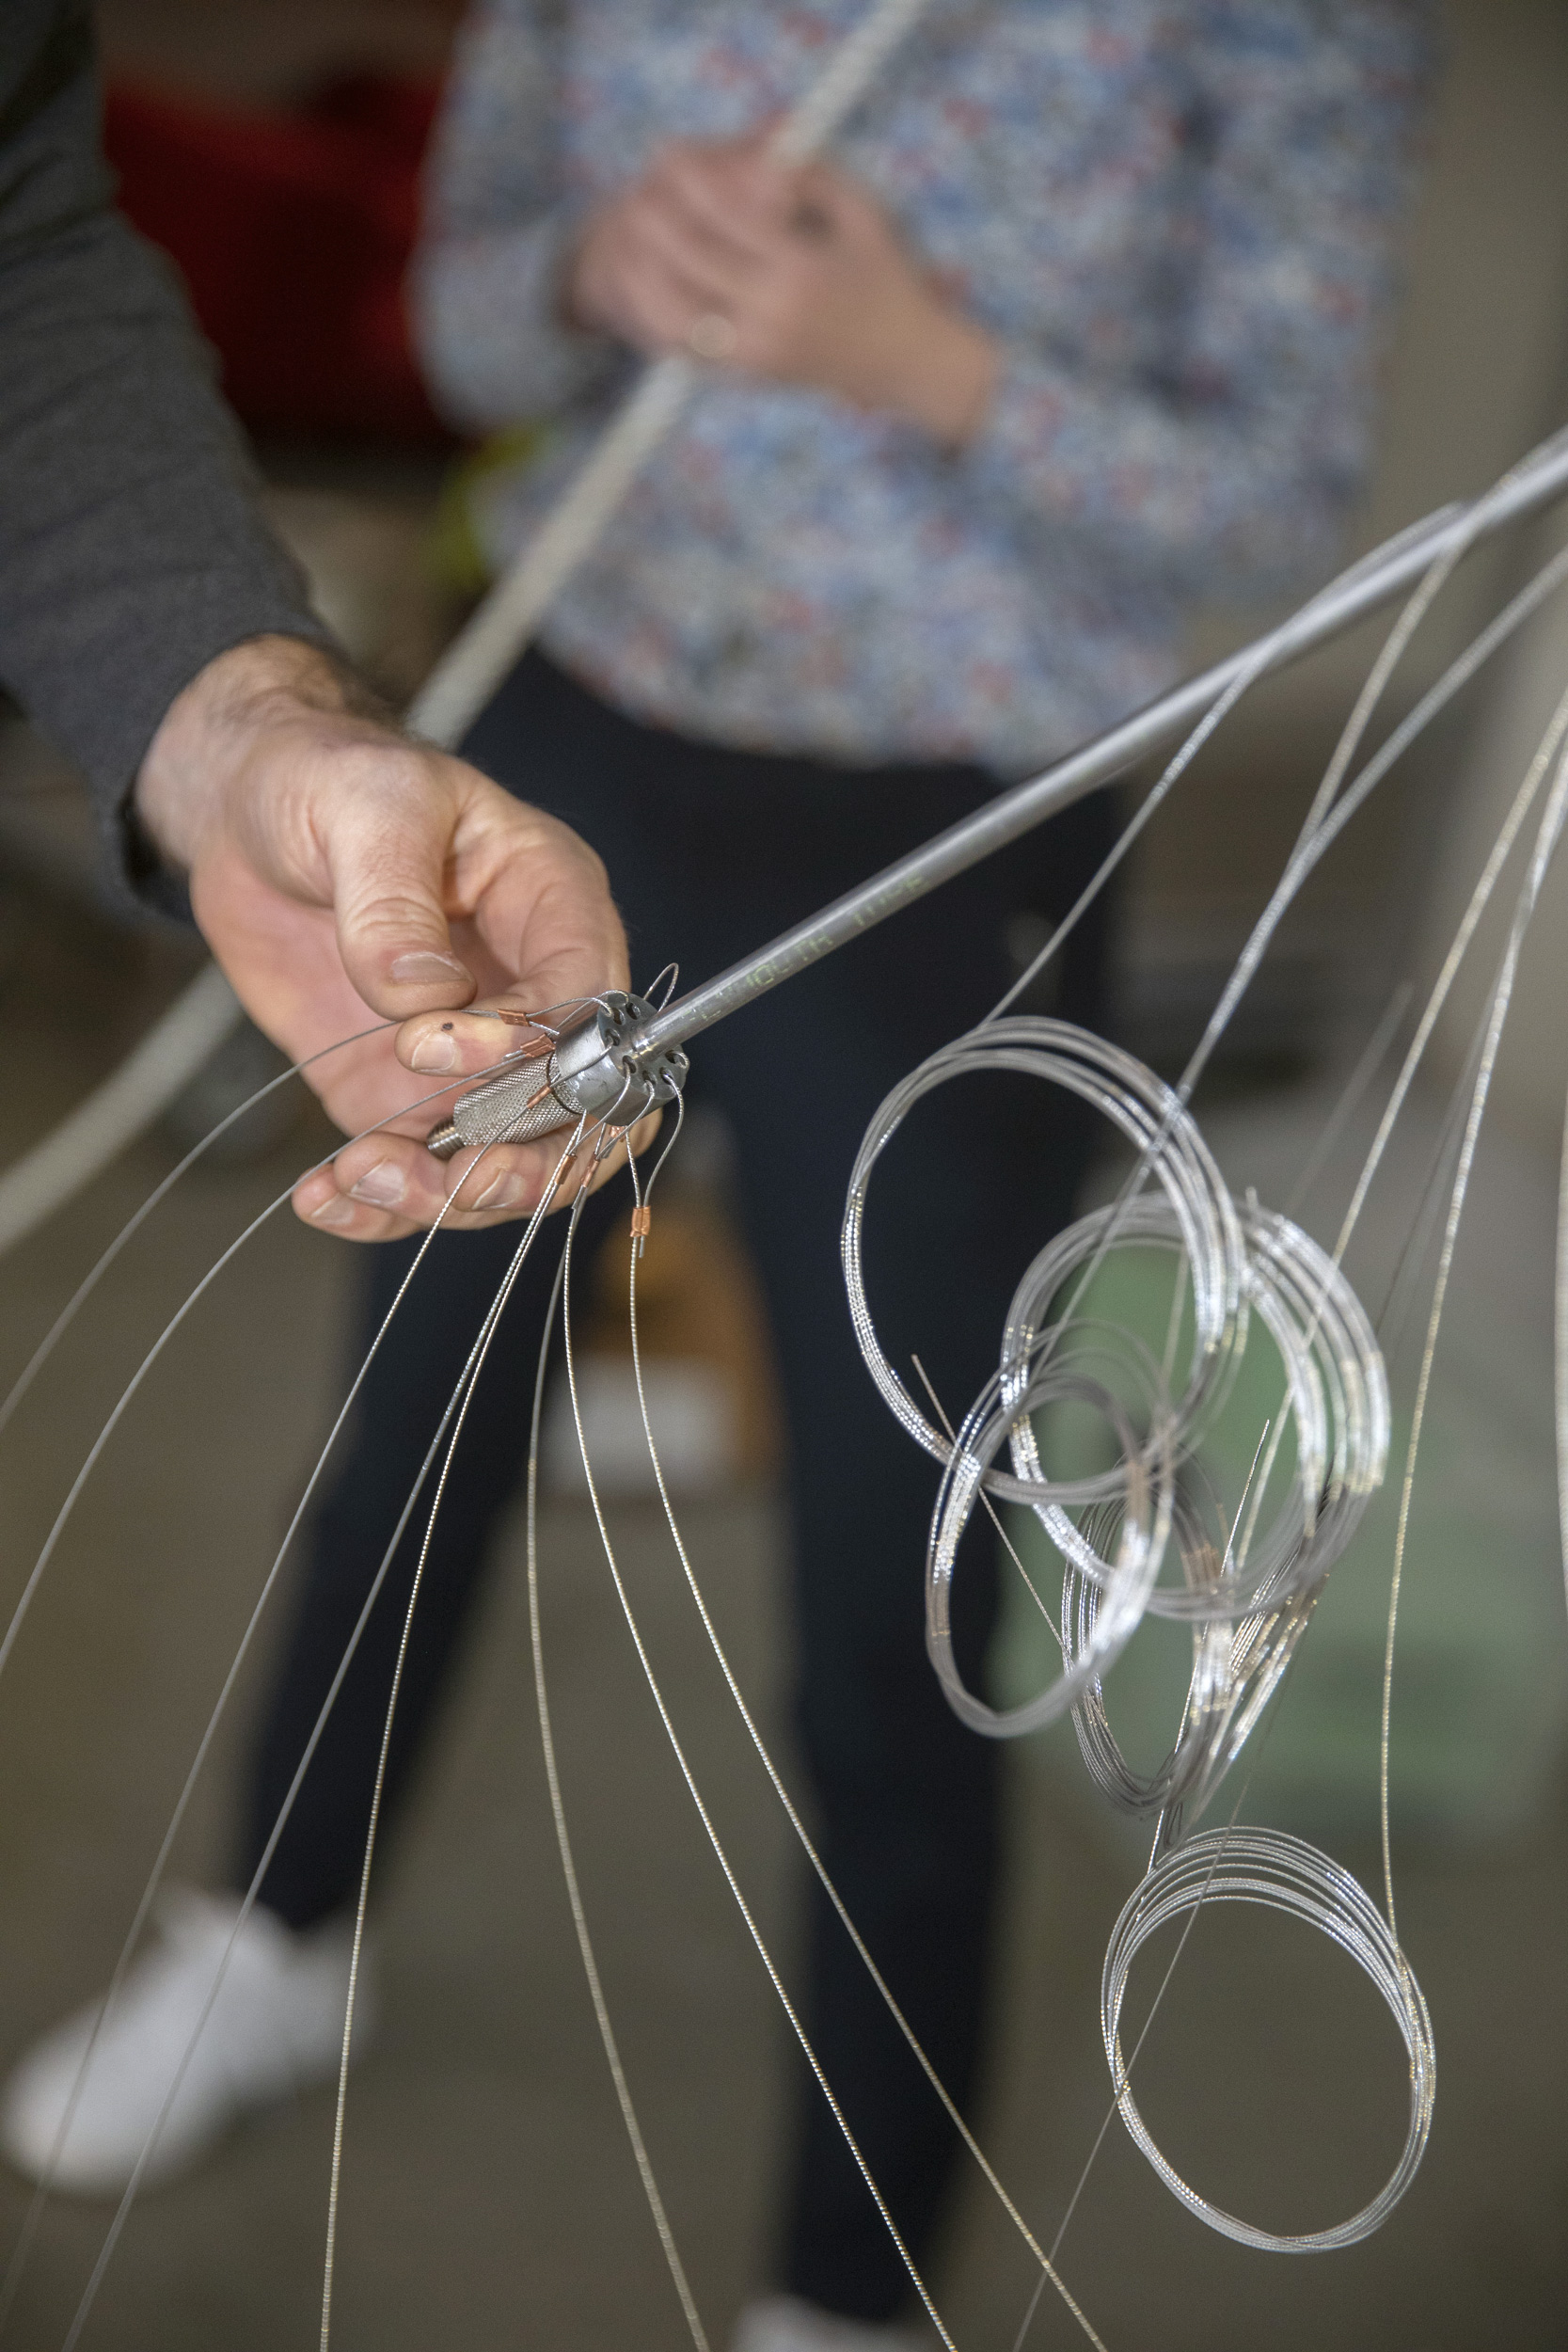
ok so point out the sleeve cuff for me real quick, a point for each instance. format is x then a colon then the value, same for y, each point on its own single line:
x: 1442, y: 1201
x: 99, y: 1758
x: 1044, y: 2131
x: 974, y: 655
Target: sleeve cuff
x: 109, y: 736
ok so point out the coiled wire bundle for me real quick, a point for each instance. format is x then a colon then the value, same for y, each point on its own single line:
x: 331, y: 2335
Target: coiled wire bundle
x: 1151, y: 1117
x: 1283, y: 1873
x: 1249, y: 1596
x: 1247, y: 1589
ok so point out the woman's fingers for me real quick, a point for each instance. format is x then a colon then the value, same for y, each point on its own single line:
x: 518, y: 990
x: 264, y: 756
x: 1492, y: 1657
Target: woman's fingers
x: 674, y: 272
x: 730, y: 204
x: 705, y: 267
x: 645, y: 269
x: 703, y: 230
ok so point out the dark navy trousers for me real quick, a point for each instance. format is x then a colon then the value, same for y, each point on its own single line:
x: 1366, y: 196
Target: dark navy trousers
x: 711, y: 852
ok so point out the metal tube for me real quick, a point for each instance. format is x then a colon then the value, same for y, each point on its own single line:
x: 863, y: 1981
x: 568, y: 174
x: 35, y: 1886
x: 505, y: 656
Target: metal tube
x: 1398, y: 564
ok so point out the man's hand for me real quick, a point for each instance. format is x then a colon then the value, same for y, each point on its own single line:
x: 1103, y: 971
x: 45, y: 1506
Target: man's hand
x: 791, y: 273
x: 340, y: 871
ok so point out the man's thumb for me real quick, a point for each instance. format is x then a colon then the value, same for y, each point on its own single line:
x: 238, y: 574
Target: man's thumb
x: 393, y: 931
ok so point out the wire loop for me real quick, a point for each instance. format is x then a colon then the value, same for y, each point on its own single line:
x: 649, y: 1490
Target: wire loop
x: 1285, y: 1874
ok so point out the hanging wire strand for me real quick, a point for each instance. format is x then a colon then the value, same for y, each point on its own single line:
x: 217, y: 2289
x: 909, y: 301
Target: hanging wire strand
x: 719, y: 1852
x: 1546, y: 841
x: 471, y: 1377
x: 154, y: 1880
x: 1559, y: 1353
x: 133, y: 1385
x: 568, y: 1861
x: 286, y: 1809
x: 807, y: 1844
x: 133, y: 1224
x: 1368, y: 1063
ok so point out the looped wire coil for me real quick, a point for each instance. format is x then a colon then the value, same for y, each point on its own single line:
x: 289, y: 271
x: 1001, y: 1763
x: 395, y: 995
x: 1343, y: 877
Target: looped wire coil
x: 1247, y: 1589
x: 1282, y: 1873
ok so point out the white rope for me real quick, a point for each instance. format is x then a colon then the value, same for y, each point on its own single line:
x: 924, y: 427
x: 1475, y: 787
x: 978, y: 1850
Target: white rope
x: 82, y: 1146
x: 480, y: 657
x: 475, y: 663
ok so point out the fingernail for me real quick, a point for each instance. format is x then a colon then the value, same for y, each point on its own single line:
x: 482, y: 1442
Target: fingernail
x: 423, y: 967
x: 435, y: 1052
x: 503, y: 1192
x: 382, y: 1186
x: 335, y: 1211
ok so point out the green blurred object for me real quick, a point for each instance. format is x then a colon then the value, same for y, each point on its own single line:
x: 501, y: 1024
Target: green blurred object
x: 1478, y: 1710
x: 456, y: 553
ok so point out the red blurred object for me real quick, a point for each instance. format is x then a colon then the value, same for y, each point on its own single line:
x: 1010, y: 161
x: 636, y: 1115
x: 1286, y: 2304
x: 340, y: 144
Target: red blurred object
x: 293, y: 233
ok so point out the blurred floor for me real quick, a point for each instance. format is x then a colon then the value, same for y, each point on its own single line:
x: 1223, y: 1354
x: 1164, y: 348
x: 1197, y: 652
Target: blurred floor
x: 489, y: 2197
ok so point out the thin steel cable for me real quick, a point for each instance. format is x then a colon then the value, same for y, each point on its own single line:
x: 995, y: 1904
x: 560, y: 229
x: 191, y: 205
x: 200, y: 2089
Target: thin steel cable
x: 609, y: 1140
x: 807, y: 1842
x: 991, y: 1510
x: 1479, y: 901
x: 128, y: 1393
x: 1122, y: 2071
x: 492, y: 1324
x: 1546, y: 844
x: 1559, y: 1353
x: 164, y: 1187
x: 1108, y: 2118
x: 715, y: 1842
x: 1313, y: 849
x: 1328, y: 815
x: 1130, y: 2063
x: 1429, y: 1196
x: 628, y: 2111
x: 133, y: 1224
x: 569, y: 1870
x: 1281, y: 1873
x: 1368, y: 1063
x: 1316, y: 836
x: 275, y: 1835
x: 158, y: 1067
x: 1340, y: 815
x: 1405, y: 1999
x: 1479, y: 898
x: 17, y: 2264
x: 536, y: 1217
x: 1265, y: 661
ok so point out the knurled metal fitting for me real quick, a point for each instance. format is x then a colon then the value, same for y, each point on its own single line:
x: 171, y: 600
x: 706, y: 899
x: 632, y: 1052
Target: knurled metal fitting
x: 588, y: 1074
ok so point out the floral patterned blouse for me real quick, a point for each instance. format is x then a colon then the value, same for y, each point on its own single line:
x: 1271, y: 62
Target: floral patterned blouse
x: 1180, y: 221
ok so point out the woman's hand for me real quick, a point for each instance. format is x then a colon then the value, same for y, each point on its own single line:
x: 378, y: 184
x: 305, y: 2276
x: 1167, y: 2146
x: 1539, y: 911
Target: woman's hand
x: 340, y: 870
x: 790, y: 273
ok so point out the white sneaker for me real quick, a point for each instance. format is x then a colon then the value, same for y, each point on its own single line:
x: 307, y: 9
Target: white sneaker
x: 784, y: 2323
x: 276, y: 2026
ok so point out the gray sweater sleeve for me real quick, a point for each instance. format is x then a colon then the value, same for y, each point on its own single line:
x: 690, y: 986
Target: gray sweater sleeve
x: 131, y: 548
